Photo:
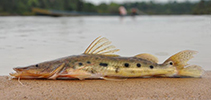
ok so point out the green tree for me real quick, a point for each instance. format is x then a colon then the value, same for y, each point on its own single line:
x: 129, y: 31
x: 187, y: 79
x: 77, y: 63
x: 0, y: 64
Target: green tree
x: 102, y: 8
x: 23, y: 7
x: 113, y: 8
x: 203, y: 7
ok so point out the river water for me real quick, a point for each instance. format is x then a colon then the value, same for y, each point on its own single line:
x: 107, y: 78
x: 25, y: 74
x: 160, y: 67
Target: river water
x: 30, y: 40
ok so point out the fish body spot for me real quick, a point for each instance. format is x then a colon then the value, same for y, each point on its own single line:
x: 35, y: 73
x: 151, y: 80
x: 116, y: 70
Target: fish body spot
x: 80, y: 64
x: 151, y: 67
x: 88, y: 62
x: 117, y: 70
x: 138, y: 65
x: 92, y: 72
x: 103, y: 64
x: 126, y: 65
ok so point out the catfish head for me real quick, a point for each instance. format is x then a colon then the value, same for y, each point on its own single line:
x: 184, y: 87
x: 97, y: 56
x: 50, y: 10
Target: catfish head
x: 41, y: 70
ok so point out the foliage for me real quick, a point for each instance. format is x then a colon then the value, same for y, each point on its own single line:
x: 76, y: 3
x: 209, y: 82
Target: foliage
x: 203, y: 7
x: 23, y: 7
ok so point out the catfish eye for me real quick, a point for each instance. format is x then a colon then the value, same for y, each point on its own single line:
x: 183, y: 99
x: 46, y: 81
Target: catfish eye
x: 171, y: 63
x: 36, y: 65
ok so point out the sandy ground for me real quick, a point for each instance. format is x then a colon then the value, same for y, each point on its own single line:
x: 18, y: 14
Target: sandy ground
x: 132, y: 89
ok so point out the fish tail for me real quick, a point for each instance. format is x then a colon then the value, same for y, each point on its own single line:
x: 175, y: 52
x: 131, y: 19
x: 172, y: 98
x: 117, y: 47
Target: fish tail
x: 191, y: 71
x: 180, y: 59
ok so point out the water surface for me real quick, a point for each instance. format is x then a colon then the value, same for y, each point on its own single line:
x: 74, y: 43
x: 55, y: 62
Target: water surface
x: 29, y: 40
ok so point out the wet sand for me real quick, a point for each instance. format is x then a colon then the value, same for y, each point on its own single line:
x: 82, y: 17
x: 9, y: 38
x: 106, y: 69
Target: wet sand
x: 131, y: 89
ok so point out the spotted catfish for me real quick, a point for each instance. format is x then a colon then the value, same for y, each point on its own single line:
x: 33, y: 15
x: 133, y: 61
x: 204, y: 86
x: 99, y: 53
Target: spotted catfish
x: 99, y: 61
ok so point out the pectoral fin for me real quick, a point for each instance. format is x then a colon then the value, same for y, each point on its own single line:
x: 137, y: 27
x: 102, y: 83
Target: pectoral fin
x: 55, y: 73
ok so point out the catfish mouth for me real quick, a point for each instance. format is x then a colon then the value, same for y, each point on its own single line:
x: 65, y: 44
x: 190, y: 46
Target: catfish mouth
x: 24, y: 72
x: 20, y: 69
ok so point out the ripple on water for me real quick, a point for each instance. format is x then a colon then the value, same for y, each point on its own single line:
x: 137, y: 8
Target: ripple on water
x: 19, y: 47
x: 23, y: 35
x: 81, y: 37
x: 2, y: 37
x: 32, y: 39
x: 70, y: 41
x: 8, y: 45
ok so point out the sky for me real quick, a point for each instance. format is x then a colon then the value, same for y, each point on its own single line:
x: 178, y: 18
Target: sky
x: 120, y: 1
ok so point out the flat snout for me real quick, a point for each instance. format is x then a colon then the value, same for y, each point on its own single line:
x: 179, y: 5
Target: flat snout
x: 19, y: 69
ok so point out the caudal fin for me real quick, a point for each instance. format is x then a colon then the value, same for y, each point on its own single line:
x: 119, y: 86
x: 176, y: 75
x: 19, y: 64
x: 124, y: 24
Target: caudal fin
x: 191, y: 71
x: 180, y: 59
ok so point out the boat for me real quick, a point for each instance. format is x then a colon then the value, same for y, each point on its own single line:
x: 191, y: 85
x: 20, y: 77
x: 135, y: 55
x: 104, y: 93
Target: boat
x: 57, y: 13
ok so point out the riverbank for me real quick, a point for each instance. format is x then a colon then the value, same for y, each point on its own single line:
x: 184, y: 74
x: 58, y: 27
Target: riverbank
x: 133, y: 89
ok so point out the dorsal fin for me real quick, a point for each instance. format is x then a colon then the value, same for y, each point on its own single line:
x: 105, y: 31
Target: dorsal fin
x: 148, y: 57
x: 101, y: 46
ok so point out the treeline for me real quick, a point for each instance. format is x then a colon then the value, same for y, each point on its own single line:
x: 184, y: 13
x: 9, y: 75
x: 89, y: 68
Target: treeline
x: 24, y: 7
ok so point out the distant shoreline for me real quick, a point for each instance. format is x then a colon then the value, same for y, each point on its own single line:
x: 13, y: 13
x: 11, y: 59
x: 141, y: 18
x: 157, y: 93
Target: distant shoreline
x: 112, y: 15
x: 80, y: 6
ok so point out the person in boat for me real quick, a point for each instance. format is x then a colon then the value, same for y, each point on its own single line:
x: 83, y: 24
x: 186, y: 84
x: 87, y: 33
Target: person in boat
x: 122, y: 11
x: 134, y: 12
